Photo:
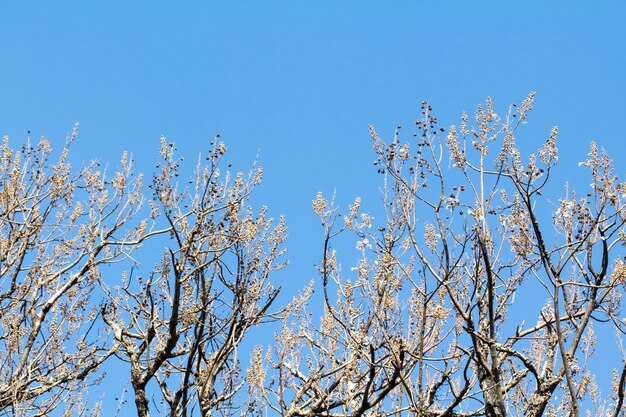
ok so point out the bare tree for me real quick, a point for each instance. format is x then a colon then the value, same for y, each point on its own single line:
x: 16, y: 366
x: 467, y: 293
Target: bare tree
x: 181, y: 326
x: 470, y: 293
x: 58, y: 227
x: 428, y: 324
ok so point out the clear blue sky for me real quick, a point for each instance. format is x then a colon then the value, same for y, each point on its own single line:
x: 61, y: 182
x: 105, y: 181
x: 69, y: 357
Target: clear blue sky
x: 298, y: 83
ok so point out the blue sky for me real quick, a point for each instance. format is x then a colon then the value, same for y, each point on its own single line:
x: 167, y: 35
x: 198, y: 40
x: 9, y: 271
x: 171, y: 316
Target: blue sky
x: 297, y: 83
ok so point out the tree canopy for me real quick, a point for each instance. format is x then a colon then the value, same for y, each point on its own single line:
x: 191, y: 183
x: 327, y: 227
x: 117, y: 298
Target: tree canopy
x: 480, y: 288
